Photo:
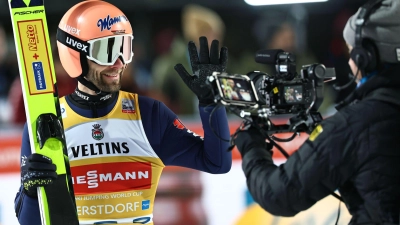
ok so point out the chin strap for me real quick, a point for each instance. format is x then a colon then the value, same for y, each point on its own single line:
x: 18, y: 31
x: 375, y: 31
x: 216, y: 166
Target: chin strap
x: 103, y: 96
x: 85, y: 70
x: 90, y: 85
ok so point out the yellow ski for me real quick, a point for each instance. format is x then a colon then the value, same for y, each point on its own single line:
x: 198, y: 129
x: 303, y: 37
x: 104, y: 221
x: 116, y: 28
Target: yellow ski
x: 57, y: 203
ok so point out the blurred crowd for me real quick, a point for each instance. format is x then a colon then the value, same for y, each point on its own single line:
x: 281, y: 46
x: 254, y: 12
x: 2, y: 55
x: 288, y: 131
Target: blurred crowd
x: 152, y: 73
x: 155, y: 76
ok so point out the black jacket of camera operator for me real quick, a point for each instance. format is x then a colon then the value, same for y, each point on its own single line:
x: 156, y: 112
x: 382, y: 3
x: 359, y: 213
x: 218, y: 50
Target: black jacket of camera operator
x: 356, y: 151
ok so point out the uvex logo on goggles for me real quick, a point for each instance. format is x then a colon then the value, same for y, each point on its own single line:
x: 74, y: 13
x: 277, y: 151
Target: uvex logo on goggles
x: 104, y: 51
x: 76, y: 44
x: 72, y: 42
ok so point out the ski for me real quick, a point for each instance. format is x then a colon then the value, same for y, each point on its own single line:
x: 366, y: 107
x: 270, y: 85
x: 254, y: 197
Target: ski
x: 44, y: 122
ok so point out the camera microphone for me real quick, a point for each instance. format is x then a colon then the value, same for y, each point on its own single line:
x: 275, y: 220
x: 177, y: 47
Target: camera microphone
x: 339, y: 88
x: 268, y: 56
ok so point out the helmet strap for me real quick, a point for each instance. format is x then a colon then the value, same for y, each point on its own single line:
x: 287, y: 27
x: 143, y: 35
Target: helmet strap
x: 86, y: 83
x: 63, y: 38
x: 91, y: 98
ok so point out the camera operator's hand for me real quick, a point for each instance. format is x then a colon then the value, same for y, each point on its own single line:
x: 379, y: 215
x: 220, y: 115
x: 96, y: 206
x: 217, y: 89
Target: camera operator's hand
x: 251, y: 138
x: 210, y: 61
x: 37, y: 171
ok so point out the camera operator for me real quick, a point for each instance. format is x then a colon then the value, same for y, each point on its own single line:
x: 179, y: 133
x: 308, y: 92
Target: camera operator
x: 355, y: 151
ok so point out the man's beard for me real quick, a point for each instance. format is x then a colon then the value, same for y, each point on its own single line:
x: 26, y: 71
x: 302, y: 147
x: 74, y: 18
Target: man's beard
x: 97, y: 78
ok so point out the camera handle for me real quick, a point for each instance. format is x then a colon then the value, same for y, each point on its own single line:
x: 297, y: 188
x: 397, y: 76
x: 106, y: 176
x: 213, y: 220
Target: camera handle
x: 307, y: 121
x: 298, y: 124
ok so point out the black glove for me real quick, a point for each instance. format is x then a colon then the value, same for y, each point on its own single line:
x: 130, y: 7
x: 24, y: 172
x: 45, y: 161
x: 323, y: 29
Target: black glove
x: 250, y: 138
x: 209, y: 62
x: 37, y: 171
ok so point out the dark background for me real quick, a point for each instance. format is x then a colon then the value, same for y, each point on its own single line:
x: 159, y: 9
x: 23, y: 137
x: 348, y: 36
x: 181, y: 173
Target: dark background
x: 149, y: 16
x: 320, y: 31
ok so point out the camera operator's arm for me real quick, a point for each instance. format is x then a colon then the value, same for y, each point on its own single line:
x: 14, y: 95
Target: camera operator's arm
x: 315, y: 170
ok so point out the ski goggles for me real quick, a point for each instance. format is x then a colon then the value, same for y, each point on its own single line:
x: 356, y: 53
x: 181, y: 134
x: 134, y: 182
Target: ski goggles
x: 104, y: 51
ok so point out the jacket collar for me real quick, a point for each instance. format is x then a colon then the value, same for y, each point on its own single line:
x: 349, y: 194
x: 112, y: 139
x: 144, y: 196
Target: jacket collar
x: 384, y: 86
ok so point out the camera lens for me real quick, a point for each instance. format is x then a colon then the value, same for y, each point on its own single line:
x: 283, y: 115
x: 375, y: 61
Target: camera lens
x: 259, y: 84
x: 319, y: 71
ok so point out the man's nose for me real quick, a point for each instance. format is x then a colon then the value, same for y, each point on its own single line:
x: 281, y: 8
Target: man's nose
x: 118, y: 64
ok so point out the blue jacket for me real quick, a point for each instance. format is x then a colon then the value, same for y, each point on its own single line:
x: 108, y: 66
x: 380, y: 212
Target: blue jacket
x: 174, y: 146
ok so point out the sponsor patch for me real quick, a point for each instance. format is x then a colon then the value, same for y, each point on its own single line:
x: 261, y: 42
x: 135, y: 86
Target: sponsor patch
x: 97, y: 132
x: 63, y: 111
x: 99, y: 148
x: 23, y: 160
x: 194, y: 134
x: 118, y: 31
x: 107, y: 22
x: 178, y: 124
x: 40, y: 81
x: 111, y: 177
x: 28, y: 12
x: 145, y: 204
x: 37, y: 63
x: 75, y: 44
x: 71, y: 30
x: 316, y: 132
x: 128, y: 106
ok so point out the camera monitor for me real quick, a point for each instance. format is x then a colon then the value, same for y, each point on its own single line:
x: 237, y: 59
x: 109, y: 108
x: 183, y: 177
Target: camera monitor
x: 236, y: 90
x: 293, y: 94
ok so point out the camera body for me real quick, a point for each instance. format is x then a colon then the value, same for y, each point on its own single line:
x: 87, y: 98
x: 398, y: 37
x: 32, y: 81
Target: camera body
x: 258, y: 95
x: 275, y: 94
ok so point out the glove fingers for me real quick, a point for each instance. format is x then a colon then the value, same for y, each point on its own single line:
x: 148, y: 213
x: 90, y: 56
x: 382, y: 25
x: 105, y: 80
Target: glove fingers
x: 33, y: 179
x: 214, y: 54
x: 39, y: 166
x: 256, y: 134
x: 186, y: 77
x: 35, y: 157
x: 35, y: 183
x: 224, y: 57
x: 32, y: 175
x: 51, y: 175
x: 194, y: 57
x: 252, y: 137
x: 204, y: 52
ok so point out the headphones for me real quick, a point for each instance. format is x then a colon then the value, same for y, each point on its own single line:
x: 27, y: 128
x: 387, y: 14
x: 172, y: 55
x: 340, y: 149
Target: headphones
x: 364, y: 53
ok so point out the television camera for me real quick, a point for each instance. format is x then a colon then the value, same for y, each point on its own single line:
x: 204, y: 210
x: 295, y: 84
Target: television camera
x: 260, y: 96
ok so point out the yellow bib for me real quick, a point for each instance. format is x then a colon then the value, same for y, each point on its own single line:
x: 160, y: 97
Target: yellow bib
x: 115, y: 170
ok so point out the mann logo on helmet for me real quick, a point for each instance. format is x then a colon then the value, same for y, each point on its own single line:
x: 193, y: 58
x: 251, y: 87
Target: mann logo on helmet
x: 97, y: 132
x: 107, y: 22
